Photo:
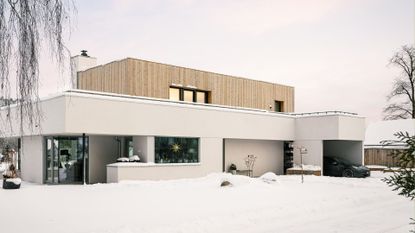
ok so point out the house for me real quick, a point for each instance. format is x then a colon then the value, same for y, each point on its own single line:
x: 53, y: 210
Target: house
x: 380, y: 141
x: 181, y: 122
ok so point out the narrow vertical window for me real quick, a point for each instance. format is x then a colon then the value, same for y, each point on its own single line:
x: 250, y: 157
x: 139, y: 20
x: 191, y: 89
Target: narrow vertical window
x: 279, y: 106
x: 174, y: 93
x: 201, y: 97
x: 188, y: 96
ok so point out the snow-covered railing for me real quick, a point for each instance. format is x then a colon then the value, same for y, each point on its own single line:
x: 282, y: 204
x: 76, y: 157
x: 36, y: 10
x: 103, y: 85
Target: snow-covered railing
x: 332, y: 112
x: 107, y: 94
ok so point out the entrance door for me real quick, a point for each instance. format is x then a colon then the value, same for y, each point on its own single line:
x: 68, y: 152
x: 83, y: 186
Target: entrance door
x: 66, y: 160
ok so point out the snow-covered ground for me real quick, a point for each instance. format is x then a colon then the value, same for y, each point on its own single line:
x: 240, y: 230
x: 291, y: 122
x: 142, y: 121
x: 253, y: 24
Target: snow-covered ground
x: 321, y: 204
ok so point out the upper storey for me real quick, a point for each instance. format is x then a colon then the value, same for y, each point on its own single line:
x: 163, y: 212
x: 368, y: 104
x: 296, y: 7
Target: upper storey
x: 151, y: 79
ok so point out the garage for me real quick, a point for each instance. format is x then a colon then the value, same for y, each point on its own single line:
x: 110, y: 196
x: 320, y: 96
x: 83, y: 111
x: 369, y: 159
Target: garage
x: 350, y: 152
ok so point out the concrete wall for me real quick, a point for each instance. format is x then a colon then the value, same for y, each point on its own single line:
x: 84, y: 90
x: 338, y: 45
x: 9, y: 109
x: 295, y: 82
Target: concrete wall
x: 103, y: 150
x: 330, y: 127
x: 314, y: 154
x: 144, y: 147
x: 270, y: 155
x: 351, y: 151
x: 32, y: 159
x: 142, y: 117
x: 210, y: 161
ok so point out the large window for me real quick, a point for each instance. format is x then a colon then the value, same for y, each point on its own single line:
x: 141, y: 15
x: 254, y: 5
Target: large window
x: 176, y: 150
x: 188, y: 95
x: 66, y: 160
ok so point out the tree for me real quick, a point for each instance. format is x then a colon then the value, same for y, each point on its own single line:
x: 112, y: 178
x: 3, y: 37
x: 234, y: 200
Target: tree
x: 24, y: 26
x: 403, y: 180
x: 403, y: 90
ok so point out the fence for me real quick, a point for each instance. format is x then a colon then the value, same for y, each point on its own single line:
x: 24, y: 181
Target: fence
x: 380, y: 156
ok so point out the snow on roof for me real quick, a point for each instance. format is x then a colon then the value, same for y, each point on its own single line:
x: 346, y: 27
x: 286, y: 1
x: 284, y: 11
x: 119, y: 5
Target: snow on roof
x: 385, y: 130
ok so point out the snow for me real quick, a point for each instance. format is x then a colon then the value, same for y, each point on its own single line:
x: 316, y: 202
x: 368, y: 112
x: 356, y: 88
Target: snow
x: 321, y: 204
x: 376, y: 166
x: 306, y: 167
x: 16, y: 181
x: 134, y: 158
x: 3, y: 167
x: 385, y: 130
x: 269, y: 177
x: 150, y: 164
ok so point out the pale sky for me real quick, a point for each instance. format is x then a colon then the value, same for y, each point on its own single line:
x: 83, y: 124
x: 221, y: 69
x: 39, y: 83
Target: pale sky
x: 334, y: 52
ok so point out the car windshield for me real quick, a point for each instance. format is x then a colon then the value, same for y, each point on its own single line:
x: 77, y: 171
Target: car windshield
x: 340, y: 160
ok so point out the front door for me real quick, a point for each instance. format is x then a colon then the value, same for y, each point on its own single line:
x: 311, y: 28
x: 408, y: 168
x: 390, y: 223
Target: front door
x: 66, y: 160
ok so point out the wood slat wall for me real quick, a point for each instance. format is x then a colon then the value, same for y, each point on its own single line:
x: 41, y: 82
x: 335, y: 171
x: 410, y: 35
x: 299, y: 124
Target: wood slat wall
x: 382, y: 157
x: 144, y: 78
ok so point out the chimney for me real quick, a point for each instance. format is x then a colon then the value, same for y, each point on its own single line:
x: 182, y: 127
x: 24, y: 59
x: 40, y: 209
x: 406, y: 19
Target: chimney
x: 80, y: 63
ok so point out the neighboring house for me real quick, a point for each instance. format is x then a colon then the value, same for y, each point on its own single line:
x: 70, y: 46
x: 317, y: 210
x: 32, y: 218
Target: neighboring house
x: 380, y: 141
x: 181, y: 122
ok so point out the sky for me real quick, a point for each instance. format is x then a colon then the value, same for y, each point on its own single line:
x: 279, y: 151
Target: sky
x: 334, y: 52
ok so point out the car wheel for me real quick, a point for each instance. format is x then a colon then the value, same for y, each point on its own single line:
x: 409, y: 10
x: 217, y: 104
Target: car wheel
x: 347, y: 173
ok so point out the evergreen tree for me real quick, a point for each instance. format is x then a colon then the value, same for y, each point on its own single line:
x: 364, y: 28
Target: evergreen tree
x: 403, y: 180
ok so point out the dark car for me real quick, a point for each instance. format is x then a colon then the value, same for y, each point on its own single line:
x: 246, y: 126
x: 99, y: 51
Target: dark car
x: 334, y: 166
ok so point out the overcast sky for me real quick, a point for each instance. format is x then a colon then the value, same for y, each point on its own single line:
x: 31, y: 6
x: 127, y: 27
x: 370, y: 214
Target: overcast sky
x: 335, y: 53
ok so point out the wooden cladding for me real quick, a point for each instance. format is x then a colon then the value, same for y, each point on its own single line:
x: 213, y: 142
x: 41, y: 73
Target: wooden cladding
x: 143, y: 78
x: 375, y: 156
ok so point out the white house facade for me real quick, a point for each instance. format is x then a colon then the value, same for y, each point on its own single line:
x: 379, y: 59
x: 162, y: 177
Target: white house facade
x: 84, y: 132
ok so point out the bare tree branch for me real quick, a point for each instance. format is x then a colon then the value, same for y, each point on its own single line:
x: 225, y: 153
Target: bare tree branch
x: 404, y: 85
x: 24, y: 24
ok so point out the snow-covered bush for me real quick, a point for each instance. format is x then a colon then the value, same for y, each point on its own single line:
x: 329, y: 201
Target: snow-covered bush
x: 269, y: 177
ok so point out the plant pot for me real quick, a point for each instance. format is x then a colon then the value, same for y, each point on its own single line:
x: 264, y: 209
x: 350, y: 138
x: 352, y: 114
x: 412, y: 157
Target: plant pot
x: 233, y: 172
x: 10, y: 184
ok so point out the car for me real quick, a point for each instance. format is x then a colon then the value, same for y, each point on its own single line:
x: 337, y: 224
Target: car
x: 335, y: 166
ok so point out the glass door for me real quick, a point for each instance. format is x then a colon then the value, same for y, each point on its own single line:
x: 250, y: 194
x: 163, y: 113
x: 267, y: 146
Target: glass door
x: 66, y: 160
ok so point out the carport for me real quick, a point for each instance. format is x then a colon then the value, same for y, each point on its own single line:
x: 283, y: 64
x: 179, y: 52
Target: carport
x: 351, y: 151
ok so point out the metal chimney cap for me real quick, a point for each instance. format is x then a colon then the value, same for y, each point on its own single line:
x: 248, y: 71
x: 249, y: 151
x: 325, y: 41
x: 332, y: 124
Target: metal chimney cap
x: 84, y: 53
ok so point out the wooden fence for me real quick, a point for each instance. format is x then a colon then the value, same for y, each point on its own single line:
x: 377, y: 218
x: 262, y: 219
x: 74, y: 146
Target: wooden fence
x: 375, y: 156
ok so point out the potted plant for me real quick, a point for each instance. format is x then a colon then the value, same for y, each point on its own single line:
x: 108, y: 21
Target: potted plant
x: 10, y: 178
x: 232, y: 169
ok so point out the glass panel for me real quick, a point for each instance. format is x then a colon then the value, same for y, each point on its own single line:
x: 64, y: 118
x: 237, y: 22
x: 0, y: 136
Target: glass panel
x: 174, y: 93
x: 51, y: 168
x: 201, y: 97
x: 65, y: 160
x: 188, y: 96
x: 278, y: 106
x: 70, y: 161
x: 176, y: 150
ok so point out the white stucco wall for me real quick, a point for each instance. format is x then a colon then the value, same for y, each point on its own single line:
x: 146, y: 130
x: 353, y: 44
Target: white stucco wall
x: 210, y: 161
x: 314, y: 154
x: 94, y: 114
x: 103, y: 150
x: 270, y: 155
x: 140, y: 117
x: 144, y: 147
x: 330, y: 127
x: 32, y: 160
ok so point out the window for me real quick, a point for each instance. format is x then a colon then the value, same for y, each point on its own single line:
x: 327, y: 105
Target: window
x: 201, y: 97
x: 188, y: 95
x: 176, y: 150
x: 279, y: 106
x: 174, y: 93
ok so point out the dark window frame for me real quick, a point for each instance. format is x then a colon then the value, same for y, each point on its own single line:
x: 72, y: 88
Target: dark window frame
x: 158, y: 159
x: 195, y: 91
x: 281, y: 105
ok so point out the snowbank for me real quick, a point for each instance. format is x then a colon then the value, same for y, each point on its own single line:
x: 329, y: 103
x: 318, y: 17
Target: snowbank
x: 306, y: 167
x: 321, y: 204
